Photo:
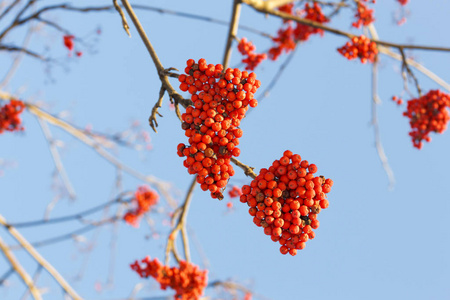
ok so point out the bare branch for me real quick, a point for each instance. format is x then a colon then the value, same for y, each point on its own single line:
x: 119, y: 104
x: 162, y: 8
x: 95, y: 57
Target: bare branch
x: 378, y: 144
x: 181, y: 213
x: 57, y: 159
x: 124, y: 19
x: 405, y: 66
x: 9, y: 8
x: 26, y: 278
x: 232, y: 32
x: 247, y: 170
x: 39, y: 259
x: 22, y: 50
x: 152, y: 120
x: 260, y: 6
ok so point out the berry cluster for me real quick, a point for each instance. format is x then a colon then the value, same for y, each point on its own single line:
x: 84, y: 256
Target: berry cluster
x: 285, y: 200
x: 235, y: 192
x: 427, y: 114
x: 252, y: 59
x: 187, y: 280
x: 397, y: 100
x: 359, y: 47
x: 403, y: 2
x: 10, y: 116
x: 220, y: 102
x: 364, y: 15
x: 144, y: 198
x: 287, y: 37
x: 70, y: 45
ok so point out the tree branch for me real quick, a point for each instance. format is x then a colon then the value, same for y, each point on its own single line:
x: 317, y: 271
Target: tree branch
x: 39, y: 259
x: 232, y: 32
x: 26, y: 278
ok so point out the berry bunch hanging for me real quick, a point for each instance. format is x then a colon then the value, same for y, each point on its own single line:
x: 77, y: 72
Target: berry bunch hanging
x: 288, y: 36
x: 220, y: 101
x: 360, y: 47
x: 252, y: 59
x: 363, y: 15
x: 144, y: 199
x: 286, y: 199
x: 10, y: 116
x: 427, y: 114
x: 187, y: 280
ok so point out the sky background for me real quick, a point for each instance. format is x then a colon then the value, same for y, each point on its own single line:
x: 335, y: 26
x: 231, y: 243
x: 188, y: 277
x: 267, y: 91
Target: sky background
x: 373, y: 242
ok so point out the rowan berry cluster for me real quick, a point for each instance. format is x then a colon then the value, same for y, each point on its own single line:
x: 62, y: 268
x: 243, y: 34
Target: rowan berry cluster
x: 427, y: 114
x: 288, y: 37
x: 397, y: 100
x: 252, y: 59
x: 144, y: 199
x: 10, y: 116
x: 220, y: 101
x: 69, y: 44
x: 285, y: 200
x: 187, y: 280
x: 235, y: 192
x: 359, y: 47
x: 364, y: 15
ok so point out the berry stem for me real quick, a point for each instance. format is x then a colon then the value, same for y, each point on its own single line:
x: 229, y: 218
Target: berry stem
x: 260, y: 6
x: 232, y: 32
x: 181, y: 212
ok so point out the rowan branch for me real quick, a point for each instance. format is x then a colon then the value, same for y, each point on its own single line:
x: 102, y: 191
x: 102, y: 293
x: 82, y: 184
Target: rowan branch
x: 122, y: 15
x: 77, y: 216
x: 17, y: 267
x: 232, y: 32
x: 260, y: 6
x: 152, y: 120
x: 57, y: 159
x: 39, y: 259
x: 378, y: 145
x: 247, y: 169
x: 181, y: 215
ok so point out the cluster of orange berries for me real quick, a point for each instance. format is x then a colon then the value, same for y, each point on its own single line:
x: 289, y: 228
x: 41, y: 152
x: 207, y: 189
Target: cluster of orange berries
x: 235, y: 192
x: 10, y: 116
x: 144, y: 199
x: 70, y: 45
x: 252, y: 59
x: 220, y: 101
x: 187, y: 280
x: 285, y: 200
x: 397, y: 100
x: 360, y: 47
x: 427, y: 114
x: 287, y: 37
x: 364, y: 15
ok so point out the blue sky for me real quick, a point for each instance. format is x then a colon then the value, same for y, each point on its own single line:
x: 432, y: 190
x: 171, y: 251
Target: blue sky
x: 373, y: 242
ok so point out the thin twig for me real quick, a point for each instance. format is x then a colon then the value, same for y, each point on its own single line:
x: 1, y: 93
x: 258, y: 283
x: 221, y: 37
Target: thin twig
x: 18, y: 59
x: 57, y: 159
x: 181, y: 213
x: 232, y: 32
x: 40, y: 260
x: 247, y: 169
x: 77, y: 216
x: 277, y: 75
x: 26, y: 278
x: 36, y: 275
x: 152, y: 120
x: 124, y: 19
x: 405, y: 66
x: 71, y: 235
x: 378, y: 144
